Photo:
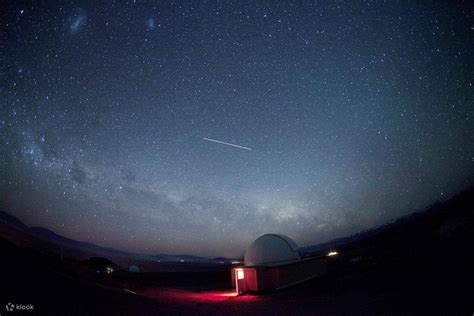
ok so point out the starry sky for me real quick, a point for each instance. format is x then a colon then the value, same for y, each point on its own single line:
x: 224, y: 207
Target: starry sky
x: 353, y: 113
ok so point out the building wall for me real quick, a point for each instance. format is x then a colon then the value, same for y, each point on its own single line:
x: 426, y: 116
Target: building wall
x: 257, y: 279
x: 300, y: 271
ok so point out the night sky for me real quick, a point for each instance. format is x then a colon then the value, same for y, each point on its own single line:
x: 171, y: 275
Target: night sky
x: 352, y: 114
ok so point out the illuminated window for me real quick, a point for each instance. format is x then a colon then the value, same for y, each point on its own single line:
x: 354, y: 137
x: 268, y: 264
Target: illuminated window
x: 240, y: 274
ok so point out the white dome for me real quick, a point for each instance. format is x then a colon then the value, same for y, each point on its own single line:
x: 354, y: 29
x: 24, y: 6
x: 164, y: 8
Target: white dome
x: 271, y: 250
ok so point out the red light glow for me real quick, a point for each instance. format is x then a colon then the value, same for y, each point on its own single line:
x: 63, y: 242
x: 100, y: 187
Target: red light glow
x: 186, y: 296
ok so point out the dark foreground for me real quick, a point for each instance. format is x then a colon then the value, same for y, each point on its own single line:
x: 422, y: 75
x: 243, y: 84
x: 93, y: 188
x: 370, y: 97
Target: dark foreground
x: 422, y: 265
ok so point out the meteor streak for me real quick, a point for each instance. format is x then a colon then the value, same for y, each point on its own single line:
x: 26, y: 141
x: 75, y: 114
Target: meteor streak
x: 224, y: 143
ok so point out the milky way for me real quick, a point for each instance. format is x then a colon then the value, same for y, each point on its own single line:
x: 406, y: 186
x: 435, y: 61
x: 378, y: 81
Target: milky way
x: 356, y: 113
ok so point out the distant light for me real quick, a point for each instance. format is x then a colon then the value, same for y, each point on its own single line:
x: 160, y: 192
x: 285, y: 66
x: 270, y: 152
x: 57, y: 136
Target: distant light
x: 332, y: 253
x: 240, y: 274
x: 236, y: 262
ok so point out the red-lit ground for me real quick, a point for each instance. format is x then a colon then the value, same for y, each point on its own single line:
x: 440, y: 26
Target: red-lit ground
x: 186, y: 296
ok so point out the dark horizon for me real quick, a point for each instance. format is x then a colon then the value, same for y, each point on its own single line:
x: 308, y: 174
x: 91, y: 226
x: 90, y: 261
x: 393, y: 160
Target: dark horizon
x: 197, y: 127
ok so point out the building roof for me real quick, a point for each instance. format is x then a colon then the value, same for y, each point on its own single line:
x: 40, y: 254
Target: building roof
x: 271, y: 250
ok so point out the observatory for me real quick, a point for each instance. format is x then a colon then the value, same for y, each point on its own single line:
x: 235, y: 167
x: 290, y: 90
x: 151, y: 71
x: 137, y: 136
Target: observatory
x: 271, y: 250
x: 273, y: 262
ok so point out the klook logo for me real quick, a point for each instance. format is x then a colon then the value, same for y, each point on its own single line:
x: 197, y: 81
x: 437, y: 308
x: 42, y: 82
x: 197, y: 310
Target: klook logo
x: 10, y: 307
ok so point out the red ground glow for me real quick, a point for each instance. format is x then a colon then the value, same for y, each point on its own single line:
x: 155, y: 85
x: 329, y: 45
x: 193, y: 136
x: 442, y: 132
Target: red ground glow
x: 183, y: 296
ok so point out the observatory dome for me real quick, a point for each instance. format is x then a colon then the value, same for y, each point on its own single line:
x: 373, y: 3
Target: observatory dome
x: 271, y: 250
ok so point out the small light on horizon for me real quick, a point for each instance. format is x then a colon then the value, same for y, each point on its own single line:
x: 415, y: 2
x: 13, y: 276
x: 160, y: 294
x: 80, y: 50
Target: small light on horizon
x: 332, y: 253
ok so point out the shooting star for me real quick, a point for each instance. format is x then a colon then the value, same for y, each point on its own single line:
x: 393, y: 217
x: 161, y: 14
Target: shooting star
x: 228, y: 144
